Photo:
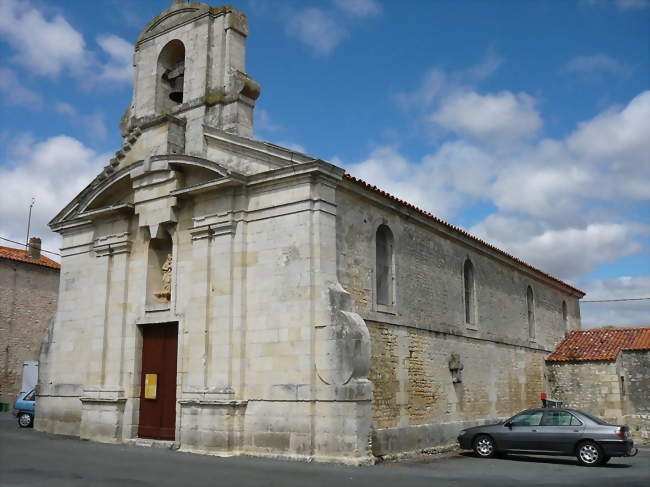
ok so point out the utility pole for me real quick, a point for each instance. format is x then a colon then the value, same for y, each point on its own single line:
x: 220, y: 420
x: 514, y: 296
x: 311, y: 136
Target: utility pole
x: 29, y: 222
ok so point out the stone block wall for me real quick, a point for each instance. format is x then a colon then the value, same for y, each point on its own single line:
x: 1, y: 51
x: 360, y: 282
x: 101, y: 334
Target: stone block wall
x: 590, y: 386
x: 416, y: 402
x: 28, y: 300
x: 616, y: 391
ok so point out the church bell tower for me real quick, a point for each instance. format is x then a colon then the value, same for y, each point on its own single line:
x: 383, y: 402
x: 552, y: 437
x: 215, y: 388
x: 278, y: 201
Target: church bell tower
x: 190, y: 65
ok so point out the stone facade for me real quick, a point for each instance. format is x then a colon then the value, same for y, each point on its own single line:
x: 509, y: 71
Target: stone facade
x: 28, y: 298
x: 283, y: 326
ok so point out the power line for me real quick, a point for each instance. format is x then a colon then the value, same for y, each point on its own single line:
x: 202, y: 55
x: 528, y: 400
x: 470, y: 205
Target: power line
x: 614, y: 300
x: 22, y: 245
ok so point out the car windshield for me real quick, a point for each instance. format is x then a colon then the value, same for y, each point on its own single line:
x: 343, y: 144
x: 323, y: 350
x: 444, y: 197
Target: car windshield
x: 593, y: 418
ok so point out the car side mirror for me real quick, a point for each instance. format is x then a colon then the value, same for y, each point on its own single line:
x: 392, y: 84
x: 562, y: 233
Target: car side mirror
x: 508, y: 424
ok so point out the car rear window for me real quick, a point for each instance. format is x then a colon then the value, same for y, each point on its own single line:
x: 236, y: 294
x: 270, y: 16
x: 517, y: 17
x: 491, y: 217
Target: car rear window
x: 594, y: 418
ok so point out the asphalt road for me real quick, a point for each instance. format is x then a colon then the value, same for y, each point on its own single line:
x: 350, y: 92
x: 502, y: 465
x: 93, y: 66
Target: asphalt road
x: 31, y: 458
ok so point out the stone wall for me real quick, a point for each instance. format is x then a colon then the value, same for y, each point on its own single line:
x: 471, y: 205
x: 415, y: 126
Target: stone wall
x: 416, y: 402
x: 593, y: 387
x: 616, y: 391
x: 28, y: 300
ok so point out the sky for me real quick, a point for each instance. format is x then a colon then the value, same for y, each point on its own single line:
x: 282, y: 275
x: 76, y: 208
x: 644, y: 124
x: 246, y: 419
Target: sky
x: 525, y: 122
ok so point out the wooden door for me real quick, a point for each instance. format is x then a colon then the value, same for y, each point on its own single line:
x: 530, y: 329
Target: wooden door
x: 158, y: 382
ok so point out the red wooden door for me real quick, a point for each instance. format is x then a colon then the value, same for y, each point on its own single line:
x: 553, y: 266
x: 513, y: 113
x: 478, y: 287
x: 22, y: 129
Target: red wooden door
x: 158, y: 406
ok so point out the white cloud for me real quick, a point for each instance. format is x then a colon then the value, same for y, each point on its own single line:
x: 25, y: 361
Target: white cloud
x: 93, y: 123
x: 632, y: 4
x: 15, y: 93
x: 569, y: 252
x: 624, y: 313
x: 264, y: 123
x: 359, y: 8
x: 317, y: 28
x: 619, y: 136
x: 493, y: 118
x: 596, y: 64
x: 52, y: 46
x: 53, y: 171
x: 557, y: 200
x: 120, y: 64
x: 45, y: 46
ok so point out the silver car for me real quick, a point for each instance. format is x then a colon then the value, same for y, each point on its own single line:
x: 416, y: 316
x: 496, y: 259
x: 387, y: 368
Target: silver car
x: 551, y: 431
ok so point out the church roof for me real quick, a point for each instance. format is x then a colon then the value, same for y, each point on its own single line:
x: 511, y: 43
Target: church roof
x: 20, y: 255
x: 600, y: 344
x: 459, y: 230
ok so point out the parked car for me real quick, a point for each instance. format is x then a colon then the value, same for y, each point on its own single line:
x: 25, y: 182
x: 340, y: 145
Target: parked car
x: 551, y: 431
x: 24, y: 408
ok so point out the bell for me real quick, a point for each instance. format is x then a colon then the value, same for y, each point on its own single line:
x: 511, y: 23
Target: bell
x: 176, y: 78
x: 176, y: 95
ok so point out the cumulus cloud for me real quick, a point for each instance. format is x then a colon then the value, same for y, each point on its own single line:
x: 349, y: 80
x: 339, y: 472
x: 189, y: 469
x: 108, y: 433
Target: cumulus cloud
x: 120, y: 59
x: 51, y: 46
x: 595, y: 65
x: 52, y: 171
x: 317, y: 28
x: 617, y: 135
x: 14, y: 92
x: 622, y: 313
x: 359, y: 8
x: 44, y: 46
x: 500, y: 118
x: 93, y: 123
x: 555, y: 199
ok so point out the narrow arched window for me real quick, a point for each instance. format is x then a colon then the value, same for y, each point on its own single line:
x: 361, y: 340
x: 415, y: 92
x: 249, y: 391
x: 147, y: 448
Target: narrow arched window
x: 530, y: 304
x: 384, y: 265
x: 171, y: 76
x: 468, y: 280
x: 565, y: 315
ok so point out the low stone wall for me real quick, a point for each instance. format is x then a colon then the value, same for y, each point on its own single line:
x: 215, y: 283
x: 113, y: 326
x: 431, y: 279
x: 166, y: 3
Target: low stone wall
x: 420, y: 403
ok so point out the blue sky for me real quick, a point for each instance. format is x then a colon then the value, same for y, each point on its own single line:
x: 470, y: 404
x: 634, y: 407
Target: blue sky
x: 525, y: 122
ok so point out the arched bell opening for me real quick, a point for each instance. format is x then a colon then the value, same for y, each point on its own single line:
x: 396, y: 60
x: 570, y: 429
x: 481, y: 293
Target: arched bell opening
x: 171, y: 76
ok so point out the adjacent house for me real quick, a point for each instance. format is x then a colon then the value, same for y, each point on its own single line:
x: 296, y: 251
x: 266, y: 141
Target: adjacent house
x: 29, y: 289
x: 605, y: 372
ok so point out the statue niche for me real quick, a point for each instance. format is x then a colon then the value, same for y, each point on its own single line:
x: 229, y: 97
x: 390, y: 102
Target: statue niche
x: 159, y: 271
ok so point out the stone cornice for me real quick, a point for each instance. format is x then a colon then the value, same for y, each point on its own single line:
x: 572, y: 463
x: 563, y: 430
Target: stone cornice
x: 212, y: 230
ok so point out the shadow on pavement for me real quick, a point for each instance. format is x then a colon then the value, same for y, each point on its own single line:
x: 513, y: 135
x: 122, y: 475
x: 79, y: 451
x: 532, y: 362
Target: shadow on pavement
x: 554, y: 460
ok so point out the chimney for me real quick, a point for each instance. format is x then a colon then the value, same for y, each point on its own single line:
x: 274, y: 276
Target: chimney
x: 34, y: 250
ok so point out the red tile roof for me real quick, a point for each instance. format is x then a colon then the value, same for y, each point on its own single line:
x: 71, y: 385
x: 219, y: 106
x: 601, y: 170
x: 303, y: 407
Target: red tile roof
x: 20, y: 255
x: 459, y: 230
x: 600, y: 344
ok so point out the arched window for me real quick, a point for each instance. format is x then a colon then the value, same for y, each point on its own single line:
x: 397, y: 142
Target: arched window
x: 530, y: 304
x: 171, y: 76
x: 384, y: 265
x: 565, y: 315
x: 468, y: 281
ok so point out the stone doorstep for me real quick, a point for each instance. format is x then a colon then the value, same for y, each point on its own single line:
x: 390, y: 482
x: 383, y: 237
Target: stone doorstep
x: 147, y: 442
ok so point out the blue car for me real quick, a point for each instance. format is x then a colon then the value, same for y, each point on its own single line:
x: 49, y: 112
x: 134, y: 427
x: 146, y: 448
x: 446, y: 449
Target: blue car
x: 24, y: 409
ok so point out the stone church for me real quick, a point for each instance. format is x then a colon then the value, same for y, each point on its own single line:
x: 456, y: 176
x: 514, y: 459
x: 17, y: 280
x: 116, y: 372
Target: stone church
x: 230, y: 296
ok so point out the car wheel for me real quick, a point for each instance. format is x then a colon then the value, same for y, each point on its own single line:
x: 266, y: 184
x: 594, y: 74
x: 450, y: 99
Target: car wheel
x: 25, y: 420
x: 484, y: 446
x: 589, y: 454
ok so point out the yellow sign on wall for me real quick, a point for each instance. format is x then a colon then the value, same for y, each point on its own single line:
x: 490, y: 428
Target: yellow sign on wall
x: 150, y: 386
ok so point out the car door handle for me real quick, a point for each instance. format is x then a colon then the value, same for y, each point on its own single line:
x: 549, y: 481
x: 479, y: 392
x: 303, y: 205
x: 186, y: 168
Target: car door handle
x: 576, y: 431
x: 534, y: 431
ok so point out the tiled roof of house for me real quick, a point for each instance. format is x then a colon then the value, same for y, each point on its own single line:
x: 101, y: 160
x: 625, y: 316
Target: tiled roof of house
x: 20, y: 255
x: 459, y: 230
x: 600, y: 344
